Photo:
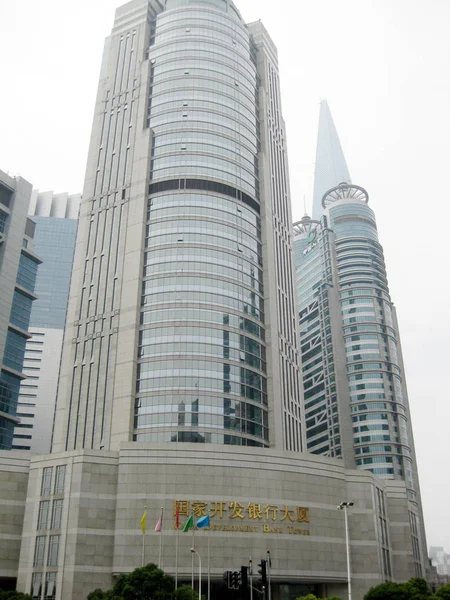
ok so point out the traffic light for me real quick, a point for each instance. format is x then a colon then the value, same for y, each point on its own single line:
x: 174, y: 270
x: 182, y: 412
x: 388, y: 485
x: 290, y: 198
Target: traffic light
x: 244, y: 578
x: 244, y: 583
x: 235, y: 580
x: 227, y: 578
x: 263, y: 572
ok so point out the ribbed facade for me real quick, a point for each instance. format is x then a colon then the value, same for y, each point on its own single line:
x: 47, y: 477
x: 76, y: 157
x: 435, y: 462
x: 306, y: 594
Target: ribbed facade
x: 321, y: 342
x: 183, y: 290
x: 356, y: 401
x: 376, y: 380
x: 346, y: 244
x: 18, y: 271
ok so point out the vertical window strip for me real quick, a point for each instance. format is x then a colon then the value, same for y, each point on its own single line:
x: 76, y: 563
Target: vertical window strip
x: 39, y: 551
x: 53, y: 550
x: 44, y: 510
x: 50, y: 586
x: 60, y: 479
x: 46, y: 488
x: 56, y: 514
x: 36, y: 586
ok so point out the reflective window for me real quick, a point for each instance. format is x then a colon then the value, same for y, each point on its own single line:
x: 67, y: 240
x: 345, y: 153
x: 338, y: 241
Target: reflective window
x: 39, y: 551
x: 56, y: 514
x: 3, y: 217
x: 53, y: 550
x: 50, y: 586
x: 46, y: 487
x: 36, y: 586
x: 14, y: 350
x: 44, y: 513
x: 9, y: 393
x: 60, y: 479
x: 21, y: 310
x: 27, y: 272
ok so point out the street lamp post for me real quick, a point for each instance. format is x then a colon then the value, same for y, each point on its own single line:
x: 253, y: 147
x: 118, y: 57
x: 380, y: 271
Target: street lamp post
x: 345, y: 506
x: 194, y: 551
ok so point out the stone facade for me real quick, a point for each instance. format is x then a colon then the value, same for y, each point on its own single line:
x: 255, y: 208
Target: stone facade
x: 282, y: 502
x: 14, y: 470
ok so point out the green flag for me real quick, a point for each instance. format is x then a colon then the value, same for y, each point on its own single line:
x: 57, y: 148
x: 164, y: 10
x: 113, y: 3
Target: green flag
x: 189, y: 523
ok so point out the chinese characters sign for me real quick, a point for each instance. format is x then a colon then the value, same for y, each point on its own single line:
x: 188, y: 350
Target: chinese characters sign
x: 229, y: 516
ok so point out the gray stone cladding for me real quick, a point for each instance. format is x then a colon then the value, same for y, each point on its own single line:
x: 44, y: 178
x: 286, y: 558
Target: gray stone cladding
x: 14, y: 470
x: 277, y: 501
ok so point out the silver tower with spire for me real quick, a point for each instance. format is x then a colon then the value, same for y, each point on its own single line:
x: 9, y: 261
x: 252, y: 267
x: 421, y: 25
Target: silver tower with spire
x: 356, y: 402
x: 331, y: 166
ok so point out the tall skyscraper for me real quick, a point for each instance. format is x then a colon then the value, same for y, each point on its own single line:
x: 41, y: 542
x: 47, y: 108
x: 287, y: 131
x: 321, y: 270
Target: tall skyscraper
x: 356, y: 402
x: 18, y: 269
x: 181, y: 319
x: 56, y: 218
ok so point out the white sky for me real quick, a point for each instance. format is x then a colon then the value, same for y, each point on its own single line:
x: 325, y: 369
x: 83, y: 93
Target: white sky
x: 383, y: 66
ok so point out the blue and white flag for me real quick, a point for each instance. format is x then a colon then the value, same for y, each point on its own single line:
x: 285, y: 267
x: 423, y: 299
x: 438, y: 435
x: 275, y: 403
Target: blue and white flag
x: 203, y: 522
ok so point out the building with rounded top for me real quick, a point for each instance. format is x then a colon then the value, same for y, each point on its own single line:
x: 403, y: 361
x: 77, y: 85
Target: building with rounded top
x: 355, y: 397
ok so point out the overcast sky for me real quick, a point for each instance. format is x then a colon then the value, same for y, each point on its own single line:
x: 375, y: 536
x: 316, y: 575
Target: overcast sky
x: 383, y: 66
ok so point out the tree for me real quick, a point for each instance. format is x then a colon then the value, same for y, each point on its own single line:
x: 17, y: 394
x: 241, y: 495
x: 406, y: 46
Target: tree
x: 185, y: 592
x: 443, y: 593
x: 145, y: 583
x: 388, y: 591
x: 417, y: 589
x: 312, y: 597
x: 12, y: 595
x: 414, y: 589
x: 99, y: 594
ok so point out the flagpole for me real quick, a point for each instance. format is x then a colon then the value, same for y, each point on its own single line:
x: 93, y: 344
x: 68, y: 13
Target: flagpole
x: 192, y: 562
x: 161, y: 539
x: 209, y: 567
x: 143, y: 539
x: 176, y: 556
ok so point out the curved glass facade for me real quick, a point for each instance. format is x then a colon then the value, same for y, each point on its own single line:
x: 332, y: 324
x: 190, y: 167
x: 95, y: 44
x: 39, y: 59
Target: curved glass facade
x: 379, y: 417
x: 201, y: 373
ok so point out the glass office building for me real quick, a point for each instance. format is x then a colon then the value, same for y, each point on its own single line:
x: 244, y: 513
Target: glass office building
x: 56, y: 221
x: 356, y: 404
x: 180, y: 277
x: 18, y: 270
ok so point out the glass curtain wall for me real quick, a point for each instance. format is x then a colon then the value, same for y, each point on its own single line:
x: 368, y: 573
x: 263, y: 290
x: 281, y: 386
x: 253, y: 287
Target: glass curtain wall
x: 373, y: 368
x: 202, y: 356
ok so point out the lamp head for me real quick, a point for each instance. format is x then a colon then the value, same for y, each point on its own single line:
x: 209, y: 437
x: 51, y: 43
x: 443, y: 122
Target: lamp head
x: 343, y: 505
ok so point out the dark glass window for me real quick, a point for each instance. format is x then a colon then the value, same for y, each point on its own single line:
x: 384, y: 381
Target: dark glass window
x: 21, y: 310
x: 204, y: 184
x: 26, y: 275
x: 14, y: 351
x: 3, y: 217
x: 5, y: 195
x: 30, y: 228
x: 9, y: 393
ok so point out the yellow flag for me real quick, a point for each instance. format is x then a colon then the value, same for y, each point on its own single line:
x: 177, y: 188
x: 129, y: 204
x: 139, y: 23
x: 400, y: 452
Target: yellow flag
x: 143, y: 522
